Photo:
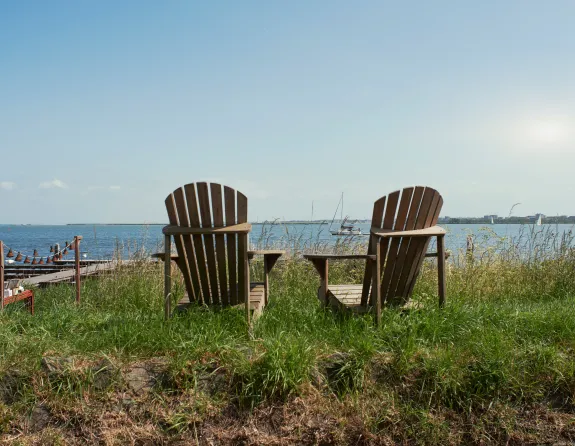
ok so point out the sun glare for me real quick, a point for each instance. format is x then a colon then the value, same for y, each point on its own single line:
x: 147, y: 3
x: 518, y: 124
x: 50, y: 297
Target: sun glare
x: 548, y: 132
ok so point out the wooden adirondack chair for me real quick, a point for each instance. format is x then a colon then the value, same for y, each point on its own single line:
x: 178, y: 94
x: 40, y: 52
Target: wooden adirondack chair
x: 402, y: 226
x: 209, y: 224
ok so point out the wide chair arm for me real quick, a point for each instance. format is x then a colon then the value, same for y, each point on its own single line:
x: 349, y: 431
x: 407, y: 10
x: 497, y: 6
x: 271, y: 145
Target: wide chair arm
x: 314, y: 257
x: 270, y: 259
x: 390, y: 233
x: 242, y: 228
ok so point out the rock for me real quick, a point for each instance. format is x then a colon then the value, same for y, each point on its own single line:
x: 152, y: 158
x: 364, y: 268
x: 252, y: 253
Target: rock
x: 143, y: 377
x: 11, y: 386
x: 212, y: 380
x: 39, y: 419
x: 381, y: 366
x: 333, y: 364
x: 104, y: 373
x: 317, y: 379
x: 139, y: 379
x: 55, y: 365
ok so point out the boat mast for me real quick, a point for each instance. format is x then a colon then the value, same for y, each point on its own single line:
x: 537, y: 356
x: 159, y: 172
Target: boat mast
x: 336, y: 209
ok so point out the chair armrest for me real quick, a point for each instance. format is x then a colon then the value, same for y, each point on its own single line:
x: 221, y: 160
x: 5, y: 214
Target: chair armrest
x: 242, y: 228
x: 390, y: 233
x: 270, y: 258
x: 265, y: 252
x: 338, y: 256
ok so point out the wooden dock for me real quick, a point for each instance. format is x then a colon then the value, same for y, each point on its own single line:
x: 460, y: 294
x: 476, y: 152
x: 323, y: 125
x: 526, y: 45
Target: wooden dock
x: 69, y: 274
x: 42, y: 275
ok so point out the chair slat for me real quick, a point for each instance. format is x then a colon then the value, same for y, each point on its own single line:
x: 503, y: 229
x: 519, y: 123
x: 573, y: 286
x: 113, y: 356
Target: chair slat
x: 218, y: 216
x: 206, y: 218
x: 391, y: 263
x: 376, y: 221
x: 403, y: 249
x: 433, y: 216
x: 191, y: 277
x: 178, y: 239
x: 388, y: 222
x: 231, y: 242
x: 243, y: 267
x: 416, y: 246
x: 194, y: 217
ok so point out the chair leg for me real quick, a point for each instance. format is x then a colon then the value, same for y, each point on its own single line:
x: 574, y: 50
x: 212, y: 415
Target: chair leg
x: 441, y: 269
x: 167, y: 277
x: 266, y: 281
x: 376, y: 288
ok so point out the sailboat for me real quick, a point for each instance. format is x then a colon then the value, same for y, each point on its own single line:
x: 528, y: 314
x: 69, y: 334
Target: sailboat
x: 345, y: 228
x: 538, y: 223
x: 492, y: 220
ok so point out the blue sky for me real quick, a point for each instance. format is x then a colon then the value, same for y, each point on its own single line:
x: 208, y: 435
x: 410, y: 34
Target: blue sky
x: 112, y: 105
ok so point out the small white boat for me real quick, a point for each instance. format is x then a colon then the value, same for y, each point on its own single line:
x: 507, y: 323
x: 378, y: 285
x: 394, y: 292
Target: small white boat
x: 344, y: 229
x: 538, y: 223
x: 492, y: 220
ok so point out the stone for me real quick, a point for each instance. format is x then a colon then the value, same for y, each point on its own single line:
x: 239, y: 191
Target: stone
x: 381, y: 367
x: 139, y: 379
x: 317, y: 379
x: 142, y: 378
x: 104, y: 373
x: 11, y: 386
x: 56, y: 365
x: 39, y: 419
x: 212, y: 379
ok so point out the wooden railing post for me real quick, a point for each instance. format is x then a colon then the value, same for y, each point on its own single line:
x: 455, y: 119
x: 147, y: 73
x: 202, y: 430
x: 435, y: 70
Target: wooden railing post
x: 1, y: 275
x: 77, y: 265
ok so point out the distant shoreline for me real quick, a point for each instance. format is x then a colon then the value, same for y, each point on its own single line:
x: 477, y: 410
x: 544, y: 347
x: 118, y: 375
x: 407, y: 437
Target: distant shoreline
x: 452, y: 221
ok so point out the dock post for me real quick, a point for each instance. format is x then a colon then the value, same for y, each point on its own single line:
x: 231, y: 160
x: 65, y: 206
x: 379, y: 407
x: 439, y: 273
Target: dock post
x: 77, y: 239
x: 1, y: 275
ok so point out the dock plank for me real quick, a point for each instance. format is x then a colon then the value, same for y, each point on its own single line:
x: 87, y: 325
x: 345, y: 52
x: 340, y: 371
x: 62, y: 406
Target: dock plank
x: 67, y: 275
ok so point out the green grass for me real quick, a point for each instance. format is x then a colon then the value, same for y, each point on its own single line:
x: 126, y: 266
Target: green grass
x: 477, y: 370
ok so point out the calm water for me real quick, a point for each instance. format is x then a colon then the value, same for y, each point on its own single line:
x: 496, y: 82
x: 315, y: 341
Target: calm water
x: 100, y: 241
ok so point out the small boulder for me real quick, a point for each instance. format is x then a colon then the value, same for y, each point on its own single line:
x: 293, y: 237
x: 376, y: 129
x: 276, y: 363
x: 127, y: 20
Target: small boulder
x: 104, y: 374
x: 39, y: 419
x: 381, y: 366
x: 11, y: 386
x: 56, y: 365
x: 212, y: 379
x: 141, y: 378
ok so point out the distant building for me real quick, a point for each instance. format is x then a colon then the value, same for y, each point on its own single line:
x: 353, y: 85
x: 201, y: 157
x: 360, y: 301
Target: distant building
x: 493, y: 216
x: 536, y: 217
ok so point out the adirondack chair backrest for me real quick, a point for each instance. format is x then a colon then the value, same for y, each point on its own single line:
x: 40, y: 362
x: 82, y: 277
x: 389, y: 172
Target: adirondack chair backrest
x: 214, y: 266
x: 401, y: 258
